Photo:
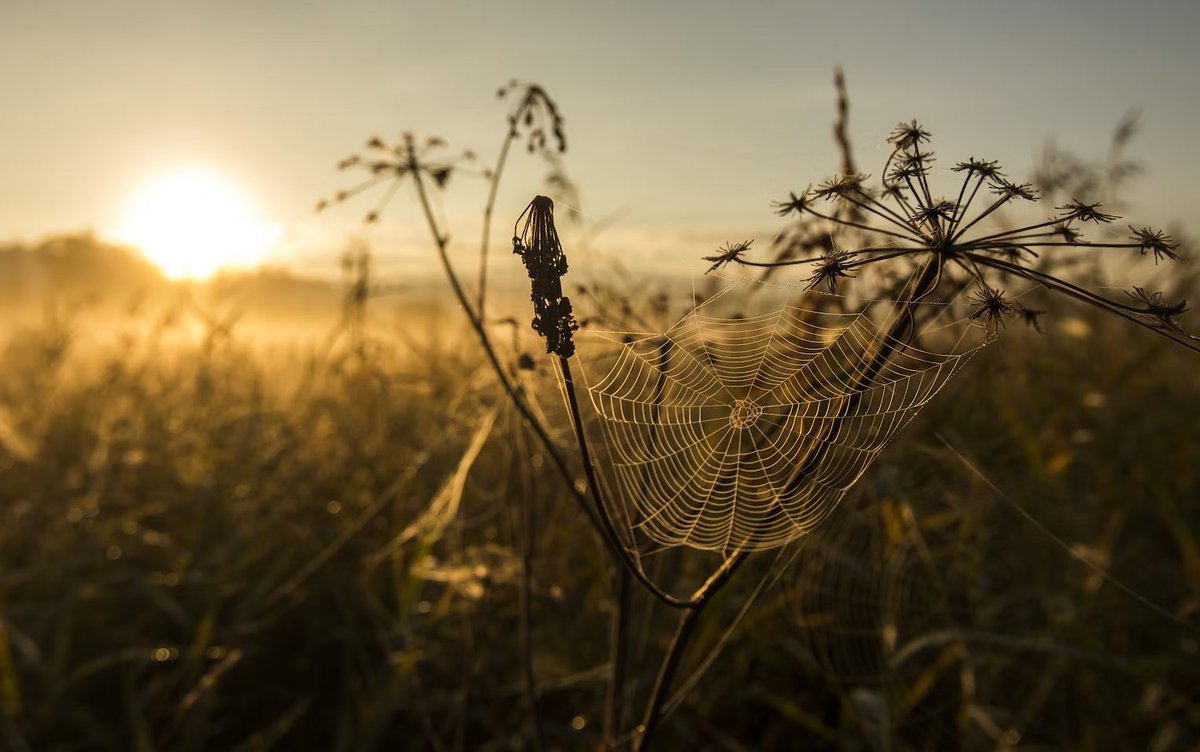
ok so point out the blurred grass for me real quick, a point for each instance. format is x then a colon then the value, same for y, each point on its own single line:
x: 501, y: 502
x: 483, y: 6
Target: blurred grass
x: 218, y: 545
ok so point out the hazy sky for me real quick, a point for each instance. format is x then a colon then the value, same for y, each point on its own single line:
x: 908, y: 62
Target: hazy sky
x: 685, y: 119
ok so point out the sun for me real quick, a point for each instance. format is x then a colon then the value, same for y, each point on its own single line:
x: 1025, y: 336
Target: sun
x: 191, y: 224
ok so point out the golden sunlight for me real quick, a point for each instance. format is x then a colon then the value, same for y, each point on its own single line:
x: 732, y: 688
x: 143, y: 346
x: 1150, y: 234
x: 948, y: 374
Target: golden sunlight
x: 190, y: 224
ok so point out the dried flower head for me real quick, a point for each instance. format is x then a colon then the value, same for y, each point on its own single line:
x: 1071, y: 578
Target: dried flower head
x: 1076, y: 209
x: 535, y: 113
x: 1162, y: 314
x: 916, y: 160
x: 840, y: 187
x: 991, y: 307
x: 908, y: 135
x: 1066, y: 232
x: 943, y: 210
x: 795, y: 204
x: 1030, y: 316
x: 904, y: 221
x: 989, y: 170
x: 727, y: 253
x: 1155, y: 241
x: 538, y: 246
x: 1008, y: 189
x: 905, y: 170
x: 832, y: 266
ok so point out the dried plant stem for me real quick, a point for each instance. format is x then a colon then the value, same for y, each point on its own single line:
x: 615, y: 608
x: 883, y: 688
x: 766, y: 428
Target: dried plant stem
x: 925, y: 284
x: 1117, y: 308
x: 487, y: 219
x: 903, y: 236
x: 610, y: 529
x: 528, y: 535
x: 776, y: 570
x: 440, y: 241
x: 469, y: 648
x: 618, y: 655
x: 679, y: 643
x: 840, y: 130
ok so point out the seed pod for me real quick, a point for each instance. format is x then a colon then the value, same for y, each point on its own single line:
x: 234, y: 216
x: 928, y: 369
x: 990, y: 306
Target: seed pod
x: 538, y: 246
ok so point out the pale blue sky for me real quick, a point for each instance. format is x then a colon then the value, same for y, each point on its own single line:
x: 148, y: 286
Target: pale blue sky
x: 686, y: 117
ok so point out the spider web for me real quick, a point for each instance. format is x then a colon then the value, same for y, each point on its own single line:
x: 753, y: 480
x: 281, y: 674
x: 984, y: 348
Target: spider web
x: 743, y: 432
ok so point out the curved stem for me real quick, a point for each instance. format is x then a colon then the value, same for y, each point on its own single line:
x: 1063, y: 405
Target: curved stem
x: 679, y: 643
x: 958, y: 206
x: 887, y: 251
x: 883, y: 208
x: 1054, y: 283
x: 610, y: 529
x: 884, y: 257
x: 528, y: 536
x: 1130, y: 313
x: 440, y: 241
x: 487, y: 219
x: 777, y: 568
x: 952, y: 230
x: 618, y: 650
x: 599, y: 516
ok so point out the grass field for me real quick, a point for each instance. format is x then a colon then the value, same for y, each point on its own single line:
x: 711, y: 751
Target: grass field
x: 206, y: 543
x: 262, y: 512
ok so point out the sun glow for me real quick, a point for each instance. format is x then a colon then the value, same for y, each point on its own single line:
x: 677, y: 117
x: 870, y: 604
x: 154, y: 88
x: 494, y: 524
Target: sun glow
x: 190, y: 224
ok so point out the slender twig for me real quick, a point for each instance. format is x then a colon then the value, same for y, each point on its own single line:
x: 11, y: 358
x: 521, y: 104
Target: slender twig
x: 679, y: 643
x: 1130, y: 313
x: 953, y: 230
x: 861, y: 226
x: 886, y: 213
x: 925, y: 284
x: 1011, y: 234
x: 441, y: 241
x: 904, y: 221
x: 1081, y: 245
x: 958, y: 231
x: 618, y: 651
x: 593, y: 482
x: 487, y: 217
x: 528, y: 533
x: 840, y: 126
x: 958, y: 206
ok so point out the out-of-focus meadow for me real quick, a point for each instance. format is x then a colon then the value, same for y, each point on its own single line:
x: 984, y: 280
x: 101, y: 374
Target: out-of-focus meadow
x: 211, y: 538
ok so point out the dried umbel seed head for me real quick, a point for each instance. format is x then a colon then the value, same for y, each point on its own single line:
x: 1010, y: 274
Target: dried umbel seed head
x: 730, y: 252
x: 538, y: 246
x: 902, y: 218
x: 535, y: 113
x: 991, y: 307
x: 1156, y: 241
x: 834, y: 265
x: 393, y: 163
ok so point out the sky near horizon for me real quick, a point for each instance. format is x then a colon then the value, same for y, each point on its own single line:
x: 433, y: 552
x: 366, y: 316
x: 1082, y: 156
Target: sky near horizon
x: 684, y: 120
